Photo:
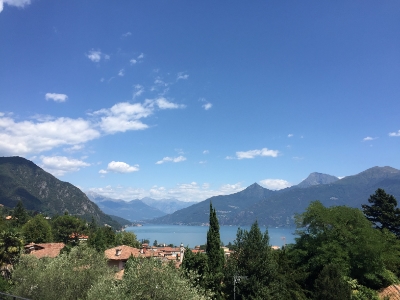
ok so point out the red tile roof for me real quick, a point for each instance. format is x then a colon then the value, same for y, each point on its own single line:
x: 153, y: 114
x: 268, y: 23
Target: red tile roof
x: 124, y: 253
x: 392, y: 292
x: 45, y: 249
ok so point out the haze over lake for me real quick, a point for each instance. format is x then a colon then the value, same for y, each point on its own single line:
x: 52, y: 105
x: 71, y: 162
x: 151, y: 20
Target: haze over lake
x: 197, y: 235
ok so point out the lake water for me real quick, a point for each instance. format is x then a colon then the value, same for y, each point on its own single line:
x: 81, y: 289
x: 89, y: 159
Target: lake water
x: 197, y: 235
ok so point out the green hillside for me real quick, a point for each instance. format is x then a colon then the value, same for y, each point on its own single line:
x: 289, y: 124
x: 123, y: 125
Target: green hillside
x: 22, y: 180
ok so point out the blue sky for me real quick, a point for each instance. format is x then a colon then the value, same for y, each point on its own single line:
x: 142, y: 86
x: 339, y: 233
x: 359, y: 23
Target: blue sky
x: 191, y: 99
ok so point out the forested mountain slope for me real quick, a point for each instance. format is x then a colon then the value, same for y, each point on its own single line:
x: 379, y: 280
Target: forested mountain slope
x: 22, y: 180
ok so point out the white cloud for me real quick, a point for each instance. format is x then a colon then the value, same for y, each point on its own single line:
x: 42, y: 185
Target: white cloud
x: 46, y: 132
x: 125, y: 35
x: 56, y: 97
x: 290, y: 135
x: 185, y: 191
x: 59, y: 165
x: 74, y: 148
x: 138, y: 91
x: 171, y: 159
x: 17, y: 3
x: 207, y: 106
x: 182, y: 75
x: 121, y: 72
x: 133, y: 61
x: 206, y: 152
x: 29, y: 137
x: 141, y: 56
x: 394, y: 133
x: 255, y: 153
x: 120, y: 167
x: 368, y: 138
x: 94, y: 56
x: 163, y: 103
x: 275, y: 184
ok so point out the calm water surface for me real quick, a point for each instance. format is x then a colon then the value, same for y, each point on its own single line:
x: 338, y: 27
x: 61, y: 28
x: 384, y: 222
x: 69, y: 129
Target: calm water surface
x: 197, y: 235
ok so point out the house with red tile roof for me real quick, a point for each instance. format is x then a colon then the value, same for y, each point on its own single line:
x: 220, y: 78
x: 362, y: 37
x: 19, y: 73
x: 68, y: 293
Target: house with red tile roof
x: 44, y: 249
x: 118, y: 256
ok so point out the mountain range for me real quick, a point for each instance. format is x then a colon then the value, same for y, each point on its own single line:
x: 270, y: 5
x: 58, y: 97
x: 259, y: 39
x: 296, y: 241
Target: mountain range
x: 137, y: 210
x: 278, y: 208
x: 22, y: 180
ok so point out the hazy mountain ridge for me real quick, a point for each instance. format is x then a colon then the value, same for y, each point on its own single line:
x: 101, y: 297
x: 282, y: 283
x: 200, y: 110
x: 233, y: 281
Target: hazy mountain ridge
x: 134, y: 210
x: 22, y: 180
x: 277, y: 208
x: 167, y: 206
x: 316, y: 178
x: 227, y: 206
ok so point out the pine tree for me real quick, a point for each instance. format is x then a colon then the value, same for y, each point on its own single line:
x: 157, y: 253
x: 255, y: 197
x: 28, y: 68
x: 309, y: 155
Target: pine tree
x: 215, y: 254
x: 383, y: 212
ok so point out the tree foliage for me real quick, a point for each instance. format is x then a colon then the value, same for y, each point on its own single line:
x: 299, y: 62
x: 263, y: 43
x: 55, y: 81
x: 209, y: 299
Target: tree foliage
x: 127, y: 238
x: 20, y: 215
x: 68, y: 276
x: 383, y: 212
x: 343, y: 237
x: 215, y: 254
x: 148, y: 279
x: 37, y: 230
x: 253, y: 261
x: 11, y: 243
x: 64, y: 226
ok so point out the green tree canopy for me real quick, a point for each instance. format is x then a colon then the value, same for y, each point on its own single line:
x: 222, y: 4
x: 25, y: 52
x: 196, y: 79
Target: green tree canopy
x: 127, y: 238
x: 105, y: 237
x: 215, y: 254
x: 253, y: 261
x: 68, y: 276
x: 64, y: 226
x: 11, y: 243
x: 383, y: 212
x: 148, y: 279
x: 343, y: 237
x: 37, y: 230
x: 20, y: 215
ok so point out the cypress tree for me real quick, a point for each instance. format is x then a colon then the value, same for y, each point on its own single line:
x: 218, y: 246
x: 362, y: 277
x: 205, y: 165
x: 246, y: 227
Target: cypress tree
x: 215, y: 254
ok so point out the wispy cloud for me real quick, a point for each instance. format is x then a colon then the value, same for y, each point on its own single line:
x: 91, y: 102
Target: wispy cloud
x: 17, y: 3
x: 394, y: 133
x: 29, y: 137
x: 138, y: 90
x: 120, y: 167
x: 207, y: 105
x: 121, y: 73
x: 60, y: 165
x: 368, y: 138
x: 254, y: 153
x: 141, y: 56
x: 127, y: 116
x: 290, y: 135
x: 97, y: 55
x: 133, y: 61
x: 182, y: 75
x: 206, y: 152
x: 171, y: 159
x: 74, y: 148
x: 192, y: 191
x: 56, y: 97
x: 45, y: 132
x: 275, y: 184
x: 127, y: 34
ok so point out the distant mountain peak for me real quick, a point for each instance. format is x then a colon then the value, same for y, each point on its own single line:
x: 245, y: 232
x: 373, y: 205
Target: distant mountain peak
x: 316, y: 178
